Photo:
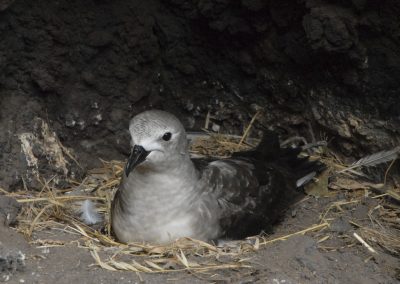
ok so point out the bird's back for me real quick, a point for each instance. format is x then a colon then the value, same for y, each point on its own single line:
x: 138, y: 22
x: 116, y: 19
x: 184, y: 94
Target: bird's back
x: 253, y: 188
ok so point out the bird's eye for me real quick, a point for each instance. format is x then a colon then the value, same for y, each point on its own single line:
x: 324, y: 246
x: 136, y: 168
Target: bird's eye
x: 167, y: 136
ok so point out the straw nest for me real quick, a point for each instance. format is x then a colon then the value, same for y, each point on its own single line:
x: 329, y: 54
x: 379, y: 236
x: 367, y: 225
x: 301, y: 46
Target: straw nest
x: 56, y: 209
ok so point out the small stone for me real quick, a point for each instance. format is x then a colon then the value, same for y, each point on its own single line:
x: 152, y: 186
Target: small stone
x: 255, y: 107
x: 344, y: 130
x: 81, y: 123
x: 69, y: 120
x: 97, y: 118
x: 215, y: 127
x: 191, y: 121
x: 189, y: 106
x: 94, y: 105
x: 353, y: 122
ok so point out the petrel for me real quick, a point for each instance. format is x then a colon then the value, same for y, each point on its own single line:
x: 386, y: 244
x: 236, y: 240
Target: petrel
x: 165, y: 195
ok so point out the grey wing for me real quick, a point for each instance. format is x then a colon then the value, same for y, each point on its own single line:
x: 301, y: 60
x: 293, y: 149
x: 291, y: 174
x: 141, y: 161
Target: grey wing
x: 233, y: 185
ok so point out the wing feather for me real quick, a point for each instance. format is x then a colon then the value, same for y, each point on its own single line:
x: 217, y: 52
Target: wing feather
x: 240, y: 197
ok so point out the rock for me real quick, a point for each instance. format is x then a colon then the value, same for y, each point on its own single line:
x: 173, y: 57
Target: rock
x: 344, y: 130
x: 11, y: 263
x: 215, y: 127
x: 9, y: 209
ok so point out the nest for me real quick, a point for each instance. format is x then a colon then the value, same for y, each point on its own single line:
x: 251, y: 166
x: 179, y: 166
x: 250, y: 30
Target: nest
x: 56, y: 209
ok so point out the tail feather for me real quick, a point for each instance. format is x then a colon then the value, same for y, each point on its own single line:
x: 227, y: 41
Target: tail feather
x: 269, y: 150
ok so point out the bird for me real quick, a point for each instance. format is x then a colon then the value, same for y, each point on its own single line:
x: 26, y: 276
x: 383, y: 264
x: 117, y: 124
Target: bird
x: 165, y: 195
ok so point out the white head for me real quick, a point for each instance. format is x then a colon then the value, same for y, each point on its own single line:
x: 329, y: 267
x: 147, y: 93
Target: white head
x: 158, y: 141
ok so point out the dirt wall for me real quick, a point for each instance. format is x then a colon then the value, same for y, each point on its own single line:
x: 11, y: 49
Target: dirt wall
x: 319, y: 69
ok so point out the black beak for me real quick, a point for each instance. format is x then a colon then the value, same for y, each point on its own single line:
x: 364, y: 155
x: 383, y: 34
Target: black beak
x: 137, y: 156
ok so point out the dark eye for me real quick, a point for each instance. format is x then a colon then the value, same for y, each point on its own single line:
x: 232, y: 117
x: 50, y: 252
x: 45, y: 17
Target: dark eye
x: 167, y: 136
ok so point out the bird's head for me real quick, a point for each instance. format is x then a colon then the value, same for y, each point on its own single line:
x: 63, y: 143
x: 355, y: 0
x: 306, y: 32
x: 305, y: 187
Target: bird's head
x: 158, y: 141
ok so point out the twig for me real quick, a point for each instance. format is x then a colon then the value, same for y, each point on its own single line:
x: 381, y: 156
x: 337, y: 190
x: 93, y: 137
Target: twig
x: 27, y: 200
x: 364, y: 243
x: 246, y: 132
x: 68, y: 153
x: 37, y: 218
x: 302, y: 232
x: 207, y: 121
x: 387, y: 171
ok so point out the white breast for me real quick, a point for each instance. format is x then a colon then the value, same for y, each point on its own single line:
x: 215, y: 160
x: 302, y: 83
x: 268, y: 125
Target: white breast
x: 182, y: 226
x: 162, y: 210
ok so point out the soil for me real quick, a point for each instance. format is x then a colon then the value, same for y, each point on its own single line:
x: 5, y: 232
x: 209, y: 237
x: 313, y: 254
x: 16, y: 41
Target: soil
x: 75, y: 72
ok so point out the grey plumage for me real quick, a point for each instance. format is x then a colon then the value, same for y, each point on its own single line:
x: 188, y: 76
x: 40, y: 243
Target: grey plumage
x: 165, y: 195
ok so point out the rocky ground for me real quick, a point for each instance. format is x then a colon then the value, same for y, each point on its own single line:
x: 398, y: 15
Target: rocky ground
x: 74, y: 73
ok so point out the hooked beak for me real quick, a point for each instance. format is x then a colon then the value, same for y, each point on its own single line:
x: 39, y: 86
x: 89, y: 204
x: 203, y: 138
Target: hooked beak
x: 138, y: 155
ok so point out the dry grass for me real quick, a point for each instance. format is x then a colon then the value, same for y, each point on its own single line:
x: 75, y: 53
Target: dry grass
x: 52, y: 208
x: 385, y: 239
x: 219, y: 145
